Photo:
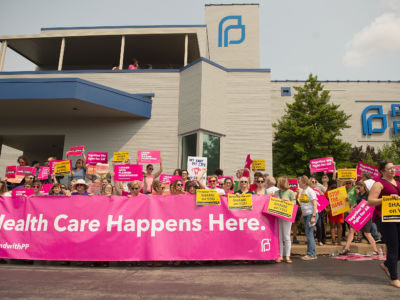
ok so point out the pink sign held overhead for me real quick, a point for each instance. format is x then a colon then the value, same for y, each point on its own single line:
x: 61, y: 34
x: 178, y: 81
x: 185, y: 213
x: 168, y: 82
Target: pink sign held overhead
x: 10, y: 171
x: 322, y: 202
x: 22, y: 192
x: 44, y: 173
x: 142, y: 228
x: 366, y: 168
x: 23, y: 170
x: 247, y: 165
x: 360, y: 215
x: 168, y: 179
x: 46, y: 188
x: 128, y: 172
x: 52, y: 164
x: 293, y: 184
x: 325, y: 164
x: 149, y: 157
x: 397, y: 168
x: 76, y: 151
x: 92, y: 158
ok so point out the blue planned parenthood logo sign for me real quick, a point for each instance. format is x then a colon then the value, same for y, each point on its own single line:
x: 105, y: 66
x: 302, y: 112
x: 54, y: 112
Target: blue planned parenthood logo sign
x: 379, y: 115
x: 223, y: 31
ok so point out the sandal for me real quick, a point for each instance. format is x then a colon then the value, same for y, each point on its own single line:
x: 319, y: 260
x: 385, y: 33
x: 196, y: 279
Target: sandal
x: 288, y: 260
x: 344, y: 251
x: 279, y: 260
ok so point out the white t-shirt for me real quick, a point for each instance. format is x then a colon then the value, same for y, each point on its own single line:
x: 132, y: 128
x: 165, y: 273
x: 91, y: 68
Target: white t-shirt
x: 272, y: 190
x: 219, y: 191
x: 369, y: 183
x: 305, y: 198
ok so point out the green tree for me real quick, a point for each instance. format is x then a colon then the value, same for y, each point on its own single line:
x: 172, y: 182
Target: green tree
x: 391, y: 151
x: 311, y: 128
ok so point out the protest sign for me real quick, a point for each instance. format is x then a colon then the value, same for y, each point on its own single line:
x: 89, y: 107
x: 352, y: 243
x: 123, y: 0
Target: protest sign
x: 102, y: 169
x: 338, y: 201
x: 76, y: 151
x: 93, y: 158
x: 366, y: 168
x: 94, y: 188
x: 397, y: 168
x: 62, y: 167
x: 116, y: 228
x: 121, y: 156
x: 293, y: 184
x: 360, y: 215
x: 238, y: 202
x: 46, y: 188
x: 128, y: 172
x: 149, y: 157
x: 322, y: 202
x: 325, y: 164
x: 23, y: 170
x: 347, y: 174
x: 247, y: 165
x: 283, y: 209
x: 303, y: 198
x: 195, y: 165
x: 52, y: 164
x: 167, y: 180
x: 91, y: 170
x: 22, y: 192
x: 10, y: 171
x: 390, y: 209
x: 44, y: 173
x: 207, y: 197
x: 258, y: 164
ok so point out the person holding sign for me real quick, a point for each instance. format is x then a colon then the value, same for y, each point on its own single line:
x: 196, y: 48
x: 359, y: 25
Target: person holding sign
x: 286, y: 194
x: 150, y: 176
x: 212, y: 179
x: 244, y: 186
x: 261, y: 190
x: 388, y: 186
x: 228, y: 186
x: 336, y: 222
x: 79, y: 172
x: 308, y: 201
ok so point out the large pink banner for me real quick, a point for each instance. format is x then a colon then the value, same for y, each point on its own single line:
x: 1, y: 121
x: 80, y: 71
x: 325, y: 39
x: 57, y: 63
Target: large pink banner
x: 117, y: 228
x: 322, y: 165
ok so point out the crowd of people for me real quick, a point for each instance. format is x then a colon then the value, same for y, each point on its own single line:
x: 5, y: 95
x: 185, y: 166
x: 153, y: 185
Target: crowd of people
x: 79, y: 182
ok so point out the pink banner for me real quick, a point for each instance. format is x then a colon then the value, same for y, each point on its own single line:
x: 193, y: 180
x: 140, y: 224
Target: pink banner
x: 149, y: 157
x: 23, y: 170
x: 322, y: 202
x: 279, y: 214
x: 322, y: 165
x: 360, y: 215
x: 76, y: 151
x: 145, y: 228
x: 128, y: 172
x: 293, y: 184
x: 10, y: 171
x: 22, y: 192
x: 93, y: 158
x: 44, y: 173
x: 366, y: 168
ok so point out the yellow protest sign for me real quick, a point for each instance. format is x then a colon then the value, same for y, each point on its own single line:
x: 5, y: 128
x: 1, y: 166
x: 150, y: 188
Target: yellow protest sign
x: 303, y: 198
x: 207, y: 197
x: 121, y: 156
x: 338, y: 201
x: 258, y: 164
x: 347, y: 174
x: 243, y: 201
x: 62, y: 167
x: 390, y: 209
x: 281, y: 208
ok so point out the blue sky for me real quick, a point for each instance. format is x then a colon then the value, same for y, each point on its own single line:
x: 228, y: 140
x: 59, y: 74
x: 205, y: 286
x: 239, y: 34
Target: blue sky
x: 336, y: 40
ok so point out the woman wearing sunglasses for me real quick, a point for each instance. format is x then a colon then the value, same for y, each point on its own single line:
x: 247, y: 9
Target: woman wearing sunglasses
x: 177, y: 188
x: 261, y: 190
x: 244, y: 186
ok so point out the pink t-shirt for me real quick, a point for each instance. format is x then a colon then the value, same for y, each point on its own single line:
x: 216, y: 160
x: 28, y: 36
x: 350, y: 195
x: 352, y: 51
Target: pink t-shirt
x: 132, y: 67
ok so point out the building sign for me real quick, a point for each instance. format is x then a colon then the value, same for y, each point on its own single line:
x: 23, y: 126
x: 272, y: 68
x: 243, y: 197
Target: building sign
x: 379, y: 115
x: 223, y: 39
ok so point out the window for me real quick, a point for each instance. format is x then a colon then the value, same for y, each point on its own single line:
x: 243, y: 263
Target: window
x: 285, y: 91
x: 211, y: 150
x: 189, y: 146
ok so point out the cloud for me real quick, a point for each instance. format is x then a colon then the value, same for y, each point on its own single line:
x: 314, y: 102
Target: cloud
x: 380, y: 38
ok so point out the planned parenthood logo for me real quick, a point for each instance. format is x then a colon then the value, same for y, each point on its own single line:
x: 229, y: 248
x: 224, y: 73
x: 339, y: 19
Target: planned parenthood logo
x: 380, y: 116
x: 265, y: 245
x: 223, y: 39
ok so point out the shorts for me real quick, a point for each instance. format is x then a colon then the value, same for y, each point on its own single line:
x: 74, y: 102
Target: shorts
x: 367, y: 227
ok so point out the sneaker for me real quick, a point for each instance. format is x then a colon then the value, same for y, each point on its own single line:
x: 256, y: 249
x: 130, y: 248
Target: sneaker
x: 321, y: 243
x: 295, y: 241
x: 307, y: 257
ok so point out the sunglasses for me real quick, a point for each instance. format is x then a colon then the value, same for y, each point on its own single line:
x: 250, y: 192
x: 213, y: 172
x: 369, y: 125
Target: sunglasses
x: 80, y: 184
x: 243, y: 181
x: 260, y: 181
x: 212, y: 180
x: 179, y: 184
x: 36, y: 186
x: 135, y: 189
x: 313, y: 182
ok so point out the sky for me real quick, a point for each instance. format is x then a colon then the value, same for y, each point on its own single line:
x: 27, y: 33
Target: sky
x: 335, y: 40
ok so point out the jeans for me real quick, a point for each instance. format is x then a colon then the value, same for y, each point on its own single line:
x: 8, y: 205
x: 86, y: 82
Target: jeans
x: 391, y: 234
x: 310, y: 235
x: 284, y: 237
x: 374, y: 232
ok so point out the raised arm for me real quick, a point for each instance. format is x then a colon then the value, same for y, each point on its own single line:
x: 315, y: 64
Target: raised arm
x: 199, y: 177
x: 158, y: 173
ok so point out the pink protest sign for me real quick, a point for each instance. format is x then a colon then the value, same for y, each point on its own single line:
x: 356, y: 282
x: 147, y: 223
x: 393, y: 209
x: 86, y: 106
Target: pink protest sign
x: 247, y: 165
x: 23, y: 170
x: 149, y: 157
x: 128, y: 172
x: 322, y: 202
x: 360, y: 215
x: 10, y: 171
x: 21, y: 192
x: 76, y: 151
x: 397, y: 167
x: 46, y: 188
x: 293, y: 184
x: 322, y: 165
x: 168, y: 179
x: 366, y: 168
x: 44, y: 173
x: 141, y: 228
x: 93, y: 158
x: 280, y: 209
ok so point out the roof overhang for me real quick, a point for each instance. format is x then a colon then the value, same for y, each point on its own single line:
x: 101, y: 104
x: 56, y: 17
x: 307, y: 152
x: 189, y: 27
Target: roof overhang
x: 69, y: 98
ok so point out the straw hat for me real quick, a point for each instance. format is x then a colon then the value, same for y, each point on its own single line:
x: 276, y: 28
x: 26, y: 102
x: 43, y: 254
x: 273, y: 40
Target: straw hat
x: 80, y: 181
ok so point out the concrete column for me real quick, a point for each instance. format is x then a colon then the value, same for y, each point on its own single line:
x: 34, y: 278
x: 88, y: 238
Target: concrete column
x: 61, y: 58
x: 186, y: 50
x: 121, y: 55
x: 3, y: 54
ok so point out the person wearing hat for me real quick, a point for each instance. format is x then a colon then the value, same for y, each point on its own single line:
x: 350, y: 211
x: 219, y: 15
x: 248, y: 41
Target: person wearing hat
x: 80, y: 187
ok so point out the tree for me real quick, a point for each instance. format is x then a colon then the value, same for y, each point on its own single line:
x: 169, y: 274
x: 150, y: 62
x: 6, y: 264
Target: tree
x: 310, y: 129
x: 369, y: 156
x: 391, y: 151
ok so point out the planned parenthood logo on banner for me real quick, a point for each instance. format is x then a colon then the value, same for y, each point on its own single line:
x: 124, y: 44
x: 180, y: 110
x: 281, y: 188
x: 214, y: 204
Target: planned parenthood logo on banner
x: 223, y: 31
